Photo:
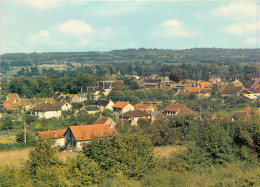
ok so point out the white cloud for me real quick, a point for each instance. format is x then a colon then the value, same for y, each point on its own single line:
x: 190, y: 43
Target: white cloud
x: 241, y: 28
x: 251, y: 40
x: 237, y: 11
x: 76, y: 27
x: 42, y: 35
x: 175, y: 28
x: 41, y: 4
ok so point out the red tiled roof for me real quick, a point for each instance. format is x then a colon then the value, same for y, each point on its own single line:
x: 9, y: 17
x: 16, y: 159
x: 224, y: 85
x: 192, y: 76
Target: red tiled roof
x: 192, y: 89
x: 10, y: 106
x: 86, y: 132
x: 12, y: 95
x: 52, y: 134
x: 142, y: 106
x: 120, y: 104
x: 204, y: 84
x: 179, y: 108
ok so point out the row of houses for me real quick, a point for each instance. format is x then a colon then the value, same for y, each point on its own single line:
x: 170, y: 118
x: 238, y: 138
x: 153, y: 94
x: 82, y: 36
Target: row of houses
x: 75, y: 136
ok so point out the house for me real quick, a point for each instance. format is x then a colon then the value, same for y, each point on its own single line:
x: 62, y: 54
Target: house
x: 236, y: 82
x: 206, y: 92
x: 192, y: 89
x: 122, y: 107
x: 75, y: 136
x: 94, y: 93
x: 106, y: 86
x: 58, y: 96
x: 234, y: 90
x: 105, y: 104
x: 252, y: 84
x: 64, y: 106
x: 56, y: 136
x: 176, y: 110
x: 12, y: 101
x: 144, y: 107
x: 204, y: 84
x: 36, y: 101
x: 47, y: 110
x: 134, y: 115
x: 83, y: 96
x: 252, y: 97
x: 90, y: 109
x: 105, y: 120
x: 73, y: 99
x: 244, y: 114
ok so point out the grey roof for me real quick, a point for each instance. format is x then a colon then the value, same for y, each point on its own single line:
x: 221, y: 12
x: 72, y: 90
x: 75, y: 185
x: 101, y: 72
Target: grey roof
x: 103, y: 102
x: 46, y: 107
x: 90, y: 108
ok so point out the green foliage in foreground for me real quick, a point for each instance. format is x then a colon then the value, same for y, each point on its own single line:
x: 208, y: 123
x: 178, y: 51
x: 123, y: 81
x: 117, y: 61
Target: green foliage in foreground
x: 131, y: 154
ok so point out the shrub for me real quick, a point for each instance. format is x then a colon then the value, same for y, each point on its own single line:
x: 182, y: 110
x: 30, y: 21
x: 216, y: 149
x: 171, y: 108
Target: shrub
x: 131, y: 154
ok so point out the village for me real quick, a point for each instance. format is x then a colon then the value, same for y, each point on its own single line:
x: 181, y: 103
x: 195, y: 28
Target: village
x: 60, y: 105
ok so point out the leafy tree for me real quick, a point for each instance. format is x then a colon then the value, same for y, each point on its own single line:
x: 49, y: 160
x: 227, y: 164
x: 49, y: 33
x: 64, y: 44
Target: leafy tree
x: 131, y: 154
x: 84, y: 171
x: 43, y: 156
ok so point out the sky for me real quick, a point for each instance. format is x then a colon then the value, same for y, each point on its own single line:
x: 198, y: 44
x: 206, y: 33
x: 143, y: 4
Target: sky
x: 79, y: 25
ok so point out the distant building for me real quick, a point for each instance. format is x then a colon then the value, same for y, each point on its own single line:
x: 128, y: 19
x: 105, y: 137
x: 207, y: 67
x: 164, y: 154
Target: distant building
x: 121, y: 106
x: 144, y: 107
x: 105, y: 104
x: 46, y: 110
x: 75, y: 136
x: 64, y: 106
x: 176, y: 110
x: 134, y: 115
x: 56, y: 136
x: 90, y: 109
x: 105, y: 120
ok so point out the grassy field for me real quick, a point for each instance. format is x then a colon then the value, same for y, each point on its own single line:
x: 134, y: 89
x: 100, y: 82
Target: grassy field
x: 17, y: 157
x: 7, y: 139
x: 165, y: 151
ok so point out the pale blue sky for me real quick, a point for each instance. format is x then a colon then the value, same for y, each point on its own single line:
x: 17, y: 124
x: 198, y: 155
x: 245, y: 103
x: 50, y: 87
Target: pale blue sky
x: 77, y: 25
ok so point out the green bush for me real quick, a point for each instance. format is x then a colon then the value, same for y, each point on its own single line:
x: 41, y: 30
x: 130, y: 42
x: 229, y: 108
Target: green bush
x: 131, y: 154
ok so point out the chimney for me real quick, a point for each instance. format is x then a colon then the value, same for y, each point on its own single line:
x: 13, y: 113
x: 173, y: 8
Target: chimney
x: 103, y: 85
x: 81, y: 89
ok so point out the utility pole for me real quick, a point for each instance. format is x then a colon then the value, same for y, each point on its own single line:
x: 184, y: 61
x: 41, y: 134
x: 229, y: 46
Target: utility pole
x: 24, y: 129
x: 122, y: 118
